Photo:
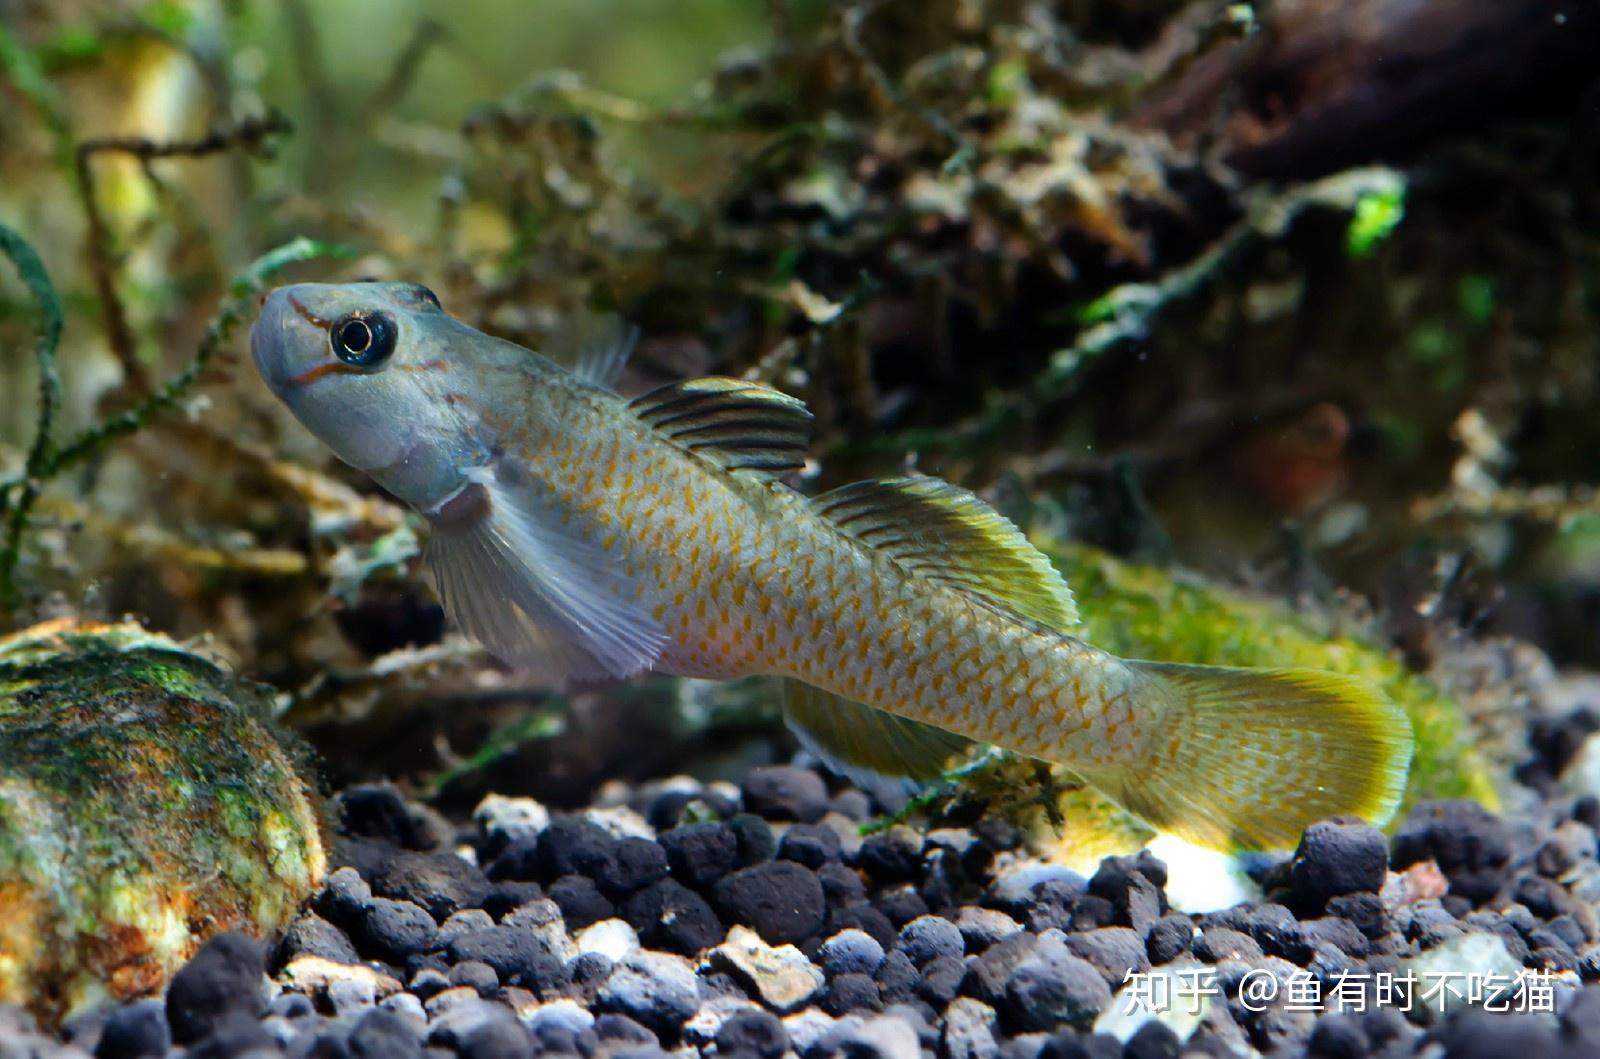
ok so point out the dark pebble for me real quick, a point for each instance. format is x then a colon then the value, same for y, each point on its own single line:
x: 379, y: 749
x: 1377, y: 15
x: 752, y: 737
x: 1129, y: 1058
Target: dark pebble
x: 1366, y: 911
x: 1471, y: 845
x: 572, y: 845
x: 852, y: 804
x: 518, y: 862
x: 780, y: 900
x: 891, y: 857
x: 635, y: 864
x: 499, y: 1037
x: 291, y: 1006
x: 851, y: 952
x: 1091, y: 912
x: 863, y: 917
x: 1070, y: 1045
x: 476, y: 974
x: 311, y: 935
x: 378, y: 811
x: 581, y: 902
x: 941, y: 980
x: 987, y: 975
x: 810, y: 844
x: 344, y: 899
x: 928, y: 937
x: 223, y: 979
x: 234, y: 1034
x: 614, y: 1026
x: 135, y: 1031
x: 1153, y: 1040
x: 589, y: 971
x: 841, y: 885
x: 1338, y: 857
x: 1051, y: 986
x: 752, y: 1033
x: 1051, y: 904
x: 1216, y: 944
x: 784, y: 792
x: 756, y: 842
x: 1337, y: 1036
x: 1482, y: 1035
x: 517, y: 955
x: 508, y: 895
x: 852, y: 992
x: 1129, y: 884
x: 670, y: 916
x: 441, y: 883
x: 1169, y: 938
x: 898, y: 979
x: 700, y: 854
x: 1114, y: 951
x: 384, y: 1034
x: 394, y: 930
x: 1543, y: 897
x: 901, y: 904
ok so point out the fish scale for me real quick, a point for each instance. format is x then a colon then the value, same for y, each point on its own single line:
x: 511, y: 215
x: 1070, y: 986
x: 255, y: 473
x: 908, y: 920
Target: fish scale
x: 782, y: 558
x: 588, y: 537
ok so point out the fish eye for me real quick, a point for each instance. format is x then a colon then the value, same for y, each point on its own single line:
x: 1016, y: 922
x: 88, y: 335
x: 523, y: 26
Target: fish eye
x: 363, y: 339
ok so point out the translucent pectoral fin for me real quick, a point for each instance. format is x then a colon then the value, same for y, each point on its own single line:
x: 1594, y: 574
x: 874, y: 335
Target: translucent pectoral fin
x: 865, y: 743
x: 538, y: 593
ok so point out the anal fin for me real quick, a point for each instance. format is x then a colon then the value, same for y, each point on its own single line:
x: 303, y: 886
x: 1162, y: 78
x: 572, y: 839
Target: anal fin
x: 865, y: 743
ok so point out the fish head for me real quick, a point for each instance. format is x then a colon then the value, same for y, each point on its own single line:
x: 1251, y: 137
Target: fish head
x: 353, y: 362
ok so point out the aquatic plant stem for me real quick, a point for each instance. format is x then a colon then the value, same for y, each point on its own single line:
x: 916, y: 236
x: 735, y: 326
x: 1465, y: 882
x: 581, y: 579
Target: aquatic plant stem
x: 17, y: 495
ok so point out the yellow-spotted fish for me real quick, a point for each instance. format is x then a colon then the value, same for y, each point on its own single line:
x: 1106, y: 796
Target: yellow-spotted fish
x: 589, y: 536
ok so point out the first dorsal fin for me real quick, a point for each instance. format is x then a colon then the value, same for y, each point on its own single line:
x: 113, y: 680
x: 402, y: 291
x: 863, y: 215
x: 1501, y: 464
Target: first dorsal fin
x: 945, y: 533
x: 738, y: 425
x: 864, y: 743
x: 595, y: 346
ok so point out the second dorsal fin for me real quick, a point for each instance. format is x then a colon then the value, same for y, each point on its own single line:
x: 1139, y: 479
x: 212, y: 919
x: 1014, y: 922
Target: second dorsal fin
x: 945, y: 533
x: 738, y: 425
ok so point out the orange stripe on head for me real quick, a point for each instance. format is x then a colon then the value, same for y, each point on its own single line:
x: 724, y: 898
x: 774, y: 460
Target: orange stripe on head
x: 309, y: 316
x: 332, y: 367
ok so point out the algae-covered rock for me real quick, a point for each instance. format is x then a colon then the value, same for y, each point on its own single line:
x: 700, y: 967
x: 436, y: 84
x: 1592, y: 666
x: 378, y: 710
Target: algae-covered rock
x: 146, y: 803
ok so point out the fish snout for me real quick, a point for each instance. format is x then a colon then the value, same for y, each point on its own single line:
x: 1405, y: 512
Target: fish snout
x: 273, y: 342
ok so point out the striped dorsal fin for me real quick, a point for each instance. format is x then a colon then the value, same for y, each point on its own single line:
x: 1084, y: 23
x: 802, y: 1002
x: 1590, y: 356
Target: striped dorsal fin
x: 944, y: 533
x: 737, y: 425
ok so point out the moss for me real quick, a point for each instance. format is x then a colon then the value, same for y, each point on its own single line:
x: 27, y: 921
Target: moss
x: 143, y: 807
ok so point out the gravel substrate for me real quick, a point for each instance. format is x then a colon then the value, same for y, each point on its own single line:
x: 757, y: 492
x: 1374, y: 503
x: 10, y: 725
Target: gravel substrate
x: 757, y: 922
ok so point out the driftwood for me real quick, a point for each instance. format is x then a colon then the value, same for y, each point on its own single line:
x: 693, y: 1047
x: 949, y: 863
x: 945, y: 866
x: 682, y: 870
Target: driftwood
x: 1326, y: 84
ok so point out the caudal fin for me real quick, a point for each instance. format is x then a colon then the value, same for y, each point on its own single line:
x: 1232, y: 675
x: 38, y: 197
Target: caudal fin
x: 1250, y: 757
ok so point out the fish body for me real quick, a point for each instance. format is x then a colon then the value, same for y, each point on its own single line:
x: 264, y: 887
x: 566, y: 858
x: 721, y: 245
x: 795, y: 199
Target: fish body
x: 590, y: 536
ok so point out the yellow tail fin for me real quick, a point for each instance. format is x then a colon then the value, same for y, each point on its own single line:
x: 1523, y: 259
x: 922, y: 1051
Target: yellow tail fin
x: 1252, y: 756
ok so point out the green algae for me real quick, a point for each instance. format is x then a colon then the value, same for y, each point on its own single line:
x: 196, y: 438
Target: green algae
x: 144, y: 806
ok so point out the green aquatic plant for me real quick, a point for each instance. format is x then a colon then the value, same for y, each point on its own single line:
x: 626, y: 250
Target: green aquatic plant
x: 48, y: 458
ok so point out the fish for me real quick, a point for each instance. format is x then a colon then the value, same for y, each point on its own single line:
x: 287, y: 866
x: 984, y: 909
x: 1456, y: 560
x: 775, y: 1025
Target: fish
x: 587, y: 536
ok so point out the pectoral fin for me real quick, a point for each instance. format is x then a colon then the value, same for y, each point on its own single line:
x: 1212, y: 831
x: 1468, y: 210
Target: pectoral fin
x: 537, y: 592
